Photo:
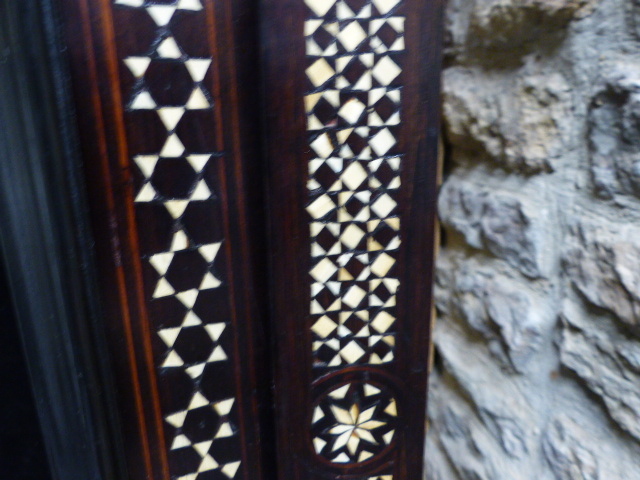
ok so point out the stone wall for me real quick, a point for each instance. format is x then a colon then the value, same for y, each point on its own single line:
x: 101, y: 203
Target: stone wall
x: 537, y: 366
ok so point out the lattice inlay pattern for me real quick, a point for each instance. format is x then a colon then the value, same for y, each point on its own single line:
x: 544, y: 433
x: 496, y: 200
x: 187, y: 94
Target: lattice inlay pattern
x: 354, y: 422
x: 354, y: 70
x: 174, y: 201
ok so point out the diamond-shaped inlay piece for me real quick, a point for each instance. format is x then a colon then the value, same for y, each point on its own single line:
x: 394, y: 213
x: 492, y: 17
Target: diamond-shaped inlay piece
x: 353, y: 423
x: 353, y: 106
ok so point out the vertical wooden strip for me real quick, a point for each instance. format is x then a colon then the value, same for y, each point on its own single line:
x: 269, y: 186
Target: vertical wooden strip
x: 172, y: 193
x: 352, y: 132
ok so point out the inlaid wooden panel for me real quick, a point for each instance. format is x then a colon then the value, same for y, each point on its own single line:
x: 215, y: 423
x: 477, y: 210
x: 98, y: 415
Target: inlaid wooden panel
x: 352, y: 132
x: 169, y: 136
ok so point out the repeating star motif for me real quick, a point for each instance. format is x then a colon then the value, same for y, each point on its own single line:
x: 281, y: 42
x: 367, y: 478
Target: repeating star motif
x: 199, y: 406
x: 169, y: 83
x: 353, y: 423
x: 353, y: 112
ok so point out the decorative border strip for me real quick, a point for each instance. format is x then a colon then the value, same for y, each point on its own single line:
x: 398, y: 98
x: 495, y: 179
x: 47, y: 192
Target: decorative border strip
x: 178, y: 216
x: 354, y: 65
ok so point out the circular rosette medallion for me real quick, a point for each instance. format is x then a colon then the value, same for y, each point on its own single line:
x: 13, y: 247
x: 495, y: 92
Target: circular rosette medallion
x: 353, y: 423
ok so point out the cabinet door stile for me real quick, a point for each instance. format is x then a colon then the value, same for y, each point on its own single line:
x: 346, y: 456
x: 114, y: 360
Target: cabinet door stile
x: 351, y: 90
x: 168, y: 149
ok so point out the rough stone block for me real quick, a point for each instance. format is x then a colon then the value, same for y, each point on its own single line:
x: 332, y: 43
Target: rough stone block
x: 607, y: 362
x: 502, y: 223
x: 563, y: 446
x: 523, y: 124
x: 603, y: 263
x: 614, y: 133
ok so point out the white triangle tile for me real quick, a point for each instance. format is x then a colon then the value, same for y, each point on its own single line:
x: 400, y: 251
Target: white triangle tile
x: 201, y: 192
x: 196, y: 370
x: 169, y: 335
x: 180, y: 442
x: 173, y: 147
x: 224, y: 431
x: 230, y: 469
x: 179, y: 242
x: 188, y: 298
x: 198, y: 161
x: 130, y: 3
x: 203, y: 447
x: 197, y: 100
x: 320, y: 7
x: 146, y: 194
x: 210, y: 251
x: 215, y: 330
x: 224, y: 407
x: 197, y: 68
x: 163, y: 289
x: 191, y: 476
x: 191, y: 320
x: 218, y: 355
x: 384, y: 6
x: 170, y: 116
x: 161, y: 14
x: 176, y: 419
x: 189, y: 5
x: 169, y: 49
x: 209, y: 281
x: 310, y: 26
x: 173, y: 360
x: 198, y: 401
x: 343, y: 12
x: 208, y: 463
x: 176, y: 207
x: 143, y: 101
x: 146, y: 164
x: 161, y: 262
x: 137, y: 65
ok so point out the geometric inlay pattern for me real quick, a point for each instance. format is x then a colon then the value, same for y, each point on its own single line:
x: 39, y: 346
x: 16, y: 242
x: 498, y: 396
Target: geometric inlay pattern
x: 174, y: 200
x: 353, y: 423
x: 354, y: 54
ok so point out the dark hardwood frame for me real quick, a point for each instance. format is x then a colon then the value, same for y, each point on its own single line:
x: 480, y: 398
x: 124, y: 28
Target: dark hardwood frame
x: 97, y: 77
x: 62, y: 298
x: 285, y: 86
x: 47, y: 247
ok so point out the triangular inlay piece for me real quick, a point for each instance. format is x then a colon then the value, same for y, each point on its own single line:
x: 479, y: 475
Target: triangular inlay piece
x: 210, y: 251
x: 198, y: 161
x: 169, y: 49
x: 173, y: 147
x: 161, y: 14
x: 146, y: 164
x: 189, y: 5
x: 176, y: 207
x: 170, y: 116
x: 143, y: 101
x: 173, y: 360
x: 197, y: 68
x: 137, y: 65
x: 201, y: 192
x: 163, y: 289
x: 130, y: 3
x: 146, y: 194
x: 197, y: 100
x: 169, y: 335
x: 161, y: 262
x: 198, y: 401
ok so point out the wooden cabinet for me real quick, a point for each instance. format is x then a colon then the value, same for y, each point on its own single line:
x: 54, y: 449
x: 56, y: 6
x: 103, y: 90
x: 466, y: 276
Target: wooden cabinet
x: 260, y: 184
